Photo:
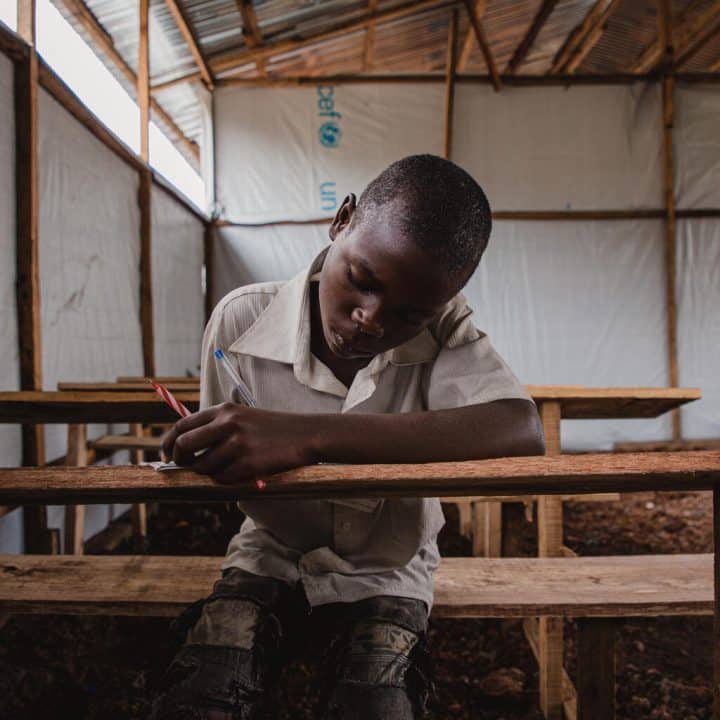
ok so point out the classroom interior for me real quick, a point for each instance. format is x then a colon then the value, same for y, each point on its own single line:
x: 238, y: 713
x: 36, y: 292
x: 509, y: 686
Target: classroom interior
x: 578, y: 585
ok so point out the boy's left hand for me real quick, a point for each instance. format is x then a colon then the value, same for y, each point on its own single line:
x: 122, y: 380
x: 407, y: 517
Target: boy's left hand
x: 240, y: 443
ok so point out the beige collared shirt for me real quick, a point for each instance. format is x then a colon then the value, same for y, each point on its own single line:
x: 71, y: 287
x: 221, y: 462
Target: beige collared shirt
x: 344, y: 550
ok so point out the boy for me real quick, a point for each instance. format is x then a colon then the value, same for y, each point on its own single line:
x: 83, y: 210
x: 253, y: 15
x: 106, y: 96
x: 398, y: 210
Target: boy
x: 369, y: 356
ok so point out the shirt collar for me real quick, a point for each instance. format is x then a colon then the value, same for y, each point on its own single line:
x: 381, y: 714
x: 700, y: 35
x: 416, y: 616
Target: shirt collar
x: 282, y: 331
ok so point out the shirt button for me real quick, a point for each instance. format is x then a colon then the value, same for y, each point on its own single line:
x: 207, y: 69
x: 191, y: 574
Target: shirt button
x: 345, y: 526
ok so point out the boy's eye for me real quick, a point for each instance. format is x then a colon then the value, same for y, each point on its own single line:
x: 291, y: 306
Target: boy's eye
x: 356, y: 282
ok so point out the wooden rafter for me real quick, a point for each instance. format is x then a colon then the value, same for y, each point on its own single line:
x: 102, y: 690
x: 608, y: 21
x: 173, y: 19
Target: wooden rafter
x: 528, y: 40
x: 483, y: 43
x: 231, y: 60
x: 26, y: 20
x: 369, y: 44
x: 584, y: 38
x: 696, y: 33
x: 105, y: 43
x: 143, y: 80
x: 652, y: 55
x: 251, y: 30
x: 192, y: 42
x: 468, y: 44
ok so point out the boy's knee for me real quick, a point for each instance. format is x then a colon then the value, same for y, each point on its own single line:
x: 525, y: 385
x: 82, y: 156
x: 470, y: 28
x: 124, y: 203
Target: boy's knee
x: 382, y: 673
x: 221, y: 671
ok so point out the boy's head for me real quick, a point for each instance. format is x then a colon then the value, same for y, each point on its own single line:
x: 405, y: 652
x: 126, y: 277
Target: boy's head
x: 400, y: 253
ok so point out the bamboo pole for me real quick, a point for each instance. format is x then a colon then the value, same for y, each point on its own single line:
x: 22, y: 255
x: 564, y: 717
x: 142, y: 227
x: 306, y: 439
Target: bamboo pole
x: 528, y: 40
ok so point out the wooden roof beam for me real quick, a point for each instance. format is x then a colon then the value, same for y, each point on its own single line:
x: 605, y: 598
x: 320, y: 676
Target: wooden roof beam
x: 584, y: 37
x: 528, y: 40
x: 192, y: 42
x: 231, y: 60
x: 250, y: 29
x: 483, y: 43
x: 696, y: 33
x: 84, y: 17
x: 468, y: 44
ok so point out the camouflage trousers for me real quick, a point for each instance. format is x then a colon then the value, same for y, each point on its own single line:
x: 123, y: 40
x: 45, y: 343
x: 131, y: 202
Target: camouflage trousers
x: 236, y: 641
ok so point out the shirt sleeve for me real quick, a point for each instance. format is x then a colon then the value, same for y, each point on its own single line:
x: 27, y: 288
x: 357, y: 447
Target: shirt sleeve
x: 468, y: 370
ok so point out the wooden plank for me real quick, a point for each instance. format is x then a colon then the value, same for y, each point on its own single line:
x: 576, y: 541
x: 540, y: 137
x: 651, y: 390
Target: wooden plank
x: 100, y: 407
x: 482, y: 42
x: 252, y: 35
x: 696, y: 33
x: 166, y: 380
x: 143, y: 386
x: 75, y: 514
x: 104, y: 42
x: 146, y: 292
x: 504, y: 476
x: 450, y: 82
x: 667, y: 445
x: 596, y: 669
x: 596, y: 497
x: 126, y: 442
x: 191, y: 41
x: 543, y: 13
x: 468, y: 44
x: 668, y: 86
x: 628, y: 586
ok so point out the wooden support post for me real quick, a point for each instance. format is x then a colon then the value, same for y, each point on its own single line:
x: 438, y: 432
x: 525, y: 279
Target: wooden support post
x: 668, y: 90
x: 487, y: 529
x: 208, y: 255
x: 716, y: 626
x: 450, y: 81
x: 37, y: 537
x: 146, y: 294
x: 139, y: 511
x: 550, y: 544
x: 465, y: 519
x: 596, y: 669
x: 75, y: 514
x: 369, y: 44
x: 143, y: 80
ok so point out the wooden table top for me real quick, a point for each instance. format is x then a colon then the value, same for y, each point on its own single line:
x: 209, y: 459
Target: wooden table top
x: 110, y: 402
x: 563, y: 474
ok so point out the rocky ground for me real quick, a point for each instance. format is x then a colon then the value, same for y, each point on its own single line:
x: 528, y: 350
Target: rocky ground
x: 92, y: 668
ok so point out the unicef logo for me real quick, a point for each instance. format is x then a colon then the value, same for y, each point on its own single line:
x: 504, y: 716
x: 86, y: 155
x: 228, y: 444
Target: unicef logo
x: 330, y: 134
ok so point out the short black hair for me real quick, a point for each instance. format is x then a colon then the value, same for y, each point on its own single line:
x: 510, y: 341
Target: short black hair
x: 438, y: 205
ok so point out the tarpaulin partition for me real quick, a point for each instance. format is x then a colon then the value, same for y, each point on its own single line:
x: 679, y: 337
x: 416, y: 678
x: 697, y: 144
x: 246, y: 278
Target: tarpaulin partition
x: 178, y: 299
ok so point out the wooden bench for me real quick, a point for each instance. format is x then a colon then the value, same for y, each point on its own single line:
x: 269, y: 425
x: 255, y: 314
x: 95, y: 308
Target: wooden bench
x: 559, y: 475
x: 595, y: 590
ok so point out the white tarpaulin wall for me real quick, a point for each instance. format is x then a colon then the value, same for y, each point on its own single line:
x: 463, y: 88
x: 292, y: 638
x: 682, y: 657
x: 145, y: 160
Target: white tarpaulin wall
x: 10, y: 442
x: 564, y: 302
x: 89, y: 270
x: 294, y: 153
x: 178, y: 300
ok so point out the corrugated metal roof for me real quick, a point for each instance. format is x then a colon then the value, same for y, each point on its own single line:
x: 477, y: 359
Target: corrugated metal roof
x: 411, y: 44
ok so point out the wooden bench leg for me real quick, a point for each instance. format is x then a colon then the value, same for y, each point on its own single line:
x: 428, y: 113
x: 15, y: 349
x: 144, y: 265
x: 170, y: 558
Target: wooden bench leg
x: 139, y: 510
x: 464, y: 518
x: 487, y: 529
x: 596, y: 669
x: 75, y: 514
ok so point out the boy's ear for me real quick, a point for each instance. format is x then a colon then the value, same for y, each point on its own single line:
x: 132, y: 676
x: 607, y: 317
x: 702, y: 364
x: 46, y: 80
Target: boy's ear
x: 343, y: 216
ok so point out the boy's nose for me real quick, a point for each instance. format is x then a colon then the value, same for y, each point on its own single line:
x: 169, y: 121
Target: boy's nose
x: 367, y: 322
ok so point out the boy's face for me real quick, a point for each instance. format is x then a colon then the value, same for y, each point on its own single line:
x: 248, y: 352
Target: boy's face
x: 378, y: 288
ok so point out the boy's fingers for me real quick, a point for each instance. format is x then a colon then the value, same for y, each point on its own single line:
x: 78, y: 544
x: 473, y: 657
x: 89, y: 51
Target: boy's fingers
x: 183, y: 425
x: 192, y: 441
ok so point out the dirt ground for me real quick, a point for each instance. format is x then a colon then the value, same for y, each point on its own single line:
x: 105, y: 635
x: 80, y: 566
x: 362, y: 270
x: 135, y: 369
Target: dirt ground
x: 92, y: 668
